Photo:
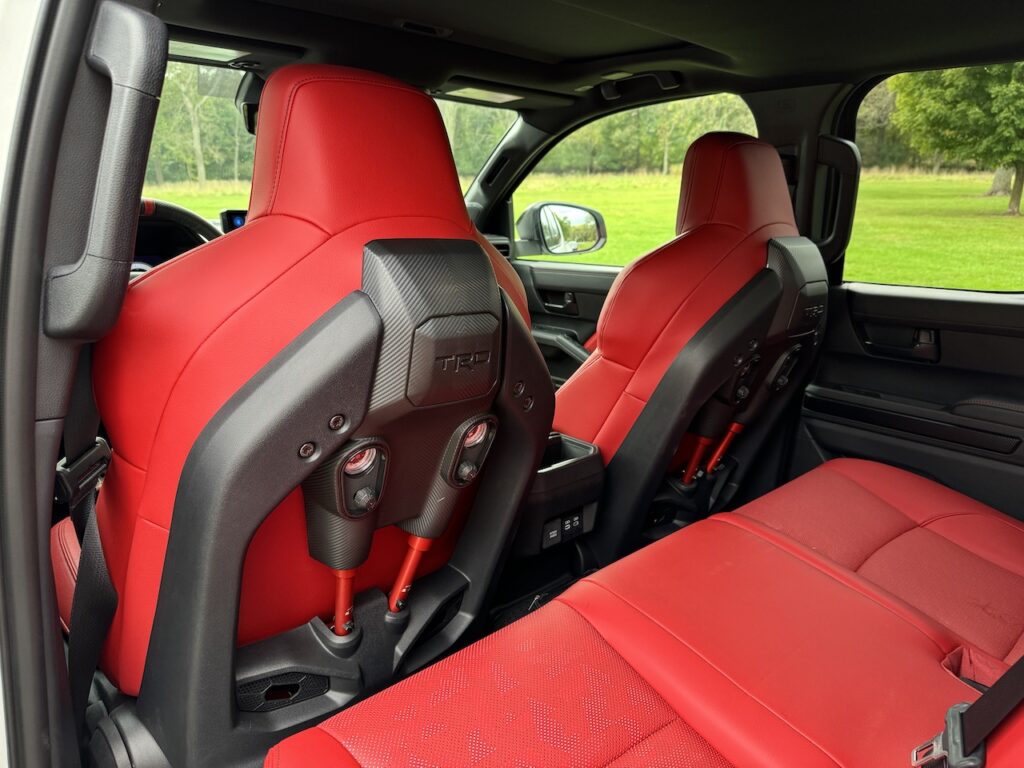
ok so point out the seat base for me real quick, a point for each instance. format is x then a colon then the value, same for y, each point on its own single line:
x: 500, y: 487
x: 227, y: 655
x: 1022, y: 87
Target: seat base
x: 727, y: 643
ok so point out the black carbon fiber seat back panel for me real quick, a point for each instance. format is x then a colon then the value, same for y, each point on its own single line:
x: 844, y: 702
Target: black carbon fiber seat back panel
x: 438, y: 367
x: 441, y: 310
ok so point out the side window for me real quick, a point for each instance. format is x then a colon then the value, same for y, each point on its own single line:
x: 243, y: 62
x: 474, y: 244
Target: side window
x: 624, y: 167
x: 940, y: 194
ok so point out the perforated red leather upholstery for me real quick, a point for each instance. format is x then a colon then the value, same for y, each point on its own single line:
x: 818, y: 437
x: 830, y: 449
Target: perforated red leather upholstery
x: 503, y: 701
x: 734, y: 200
x: 714, y: 646
x: 954, y: 562
x: 342, y: 158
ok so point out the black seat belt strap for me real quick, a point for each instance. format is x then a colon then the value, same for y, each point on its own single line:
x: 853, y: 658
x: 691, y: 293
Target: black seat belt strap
x: 95, y: 600
x: 86, y: 456
x: 994, y: 706
x: 962, y: 743
x: 92, y: 612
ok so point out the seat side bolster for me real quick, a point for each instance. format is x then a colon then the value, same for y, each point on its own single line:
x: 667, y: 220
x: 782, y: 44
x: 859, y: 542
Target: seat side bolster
x: 312, y: 747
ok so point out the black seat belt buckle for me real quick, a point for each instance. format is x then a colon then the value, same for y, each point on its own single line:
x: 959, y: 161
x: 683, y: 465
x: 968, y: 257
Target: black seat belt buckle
x: 947, y: 749
x: 82, y: 476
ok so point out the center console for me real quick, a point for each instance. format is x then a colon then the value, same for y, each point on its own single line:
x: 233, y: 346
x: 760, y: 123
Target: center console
x: 562, y: 504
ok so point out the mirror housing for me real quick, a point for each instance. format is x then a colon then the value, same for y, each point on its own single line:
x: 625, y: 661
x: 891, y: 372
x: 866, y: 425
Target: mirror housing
x: 559, y: 229
x: 247, y: 99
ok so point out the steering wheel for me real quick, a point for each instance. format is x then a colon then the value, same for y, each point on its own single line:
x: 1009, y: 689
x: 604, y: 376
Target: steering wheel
x: 161, y: 211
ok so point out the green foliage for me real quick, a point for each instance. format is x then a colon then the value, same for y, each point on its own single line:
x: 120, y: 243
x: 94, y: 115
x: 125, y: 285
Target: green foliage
x: 200, y: 137
x: 970, y: 115
x: 199, y: 134
x: 473, y: 131
x: 882, y: 144
x: 653, y: 138
x: 912, y: 229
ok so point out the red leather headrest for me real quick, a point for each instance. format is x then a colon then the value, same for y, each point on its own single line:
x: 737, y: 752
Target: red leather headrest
x: 338, y: 147
x: 733, y: 179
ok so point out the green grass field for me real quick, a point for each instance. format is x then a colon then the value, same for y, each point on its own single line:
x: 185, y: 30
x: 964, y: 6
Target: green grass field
x: 914, y: 229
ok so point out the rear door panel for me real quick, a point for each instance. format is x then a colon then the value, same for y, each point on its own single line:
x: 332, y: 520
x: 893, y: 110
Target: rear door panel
x: 927, y: 379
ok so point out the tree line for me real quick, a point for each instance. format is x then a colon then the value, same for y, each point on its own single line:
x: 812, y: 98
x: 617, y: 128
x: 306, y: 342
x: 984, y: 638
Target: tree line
x: 970, y: 118
x: 199, y: 134
x: 650, y: 139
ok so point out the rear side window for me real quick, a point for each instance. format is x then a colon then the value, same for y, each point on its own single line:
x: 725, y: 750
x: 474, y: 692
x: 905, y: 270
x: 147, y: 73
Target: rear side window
x: 940, y: 195
x: 626, y: 167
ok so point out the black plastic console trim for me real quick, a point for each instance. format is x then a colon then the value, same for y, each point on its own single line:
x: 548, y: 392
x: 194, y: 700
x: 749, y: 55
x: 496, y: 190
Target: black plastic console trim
x: 635, y: 471
x: 233, y: 477
x: 243, y: 464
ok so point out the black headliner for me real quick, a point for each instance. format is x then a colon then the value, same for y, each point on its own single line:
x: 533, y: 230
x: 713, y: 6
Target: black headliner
x: 550, y: 50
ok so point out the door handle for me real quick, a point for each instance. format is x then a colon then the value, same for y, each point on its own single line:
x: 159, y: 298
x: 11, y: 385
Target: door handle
x: 564, y: 304
x: 924, y: 348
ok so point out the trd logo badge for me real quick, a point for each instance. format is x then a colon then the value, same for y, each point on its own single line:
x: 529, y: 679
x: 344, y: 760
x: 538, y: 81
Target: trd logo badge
x: 466, y: 361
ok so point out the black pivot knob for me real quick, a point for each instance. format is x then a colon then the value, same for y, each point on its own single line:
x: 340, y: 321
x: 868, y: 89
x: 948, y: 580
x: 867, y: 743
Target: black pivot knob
x: 467, y: 472
x: 365, y: 499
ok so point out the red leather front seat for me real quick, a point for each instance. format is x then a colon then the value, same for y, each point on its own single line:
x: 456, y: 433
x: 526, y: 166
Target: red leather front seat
x: 343, y: 157
x: 682, y: 329
x: 734, y: 199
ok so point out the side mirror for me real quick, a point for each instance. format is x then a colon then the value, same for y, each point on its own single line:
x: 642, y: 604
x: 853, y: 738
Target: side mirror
x: 559, y: 229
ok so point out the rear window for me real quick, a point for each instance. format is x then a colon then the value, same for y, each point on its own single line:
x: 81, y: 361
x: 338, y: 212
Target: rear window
x: 939, y: 201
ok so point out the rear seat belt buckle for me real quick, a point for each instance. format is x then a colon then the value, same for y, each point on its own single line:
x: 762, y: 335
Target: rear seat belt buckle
x: 947, y: 749
x: 82, y: 476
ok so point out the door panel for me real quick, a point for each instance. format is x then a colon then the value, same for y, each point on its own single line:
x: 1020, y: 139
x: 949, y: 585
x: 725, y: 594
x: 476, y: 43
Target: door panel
x: 565, y: 303
x: 927, y: 379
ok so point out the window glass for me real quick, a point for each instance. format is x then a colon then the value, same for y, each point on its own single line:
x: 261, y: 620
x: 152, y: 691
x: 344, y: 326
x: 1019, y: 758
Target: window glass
x: 473, y: 131
x: 626, y: 166
x: 939, y: 200
x: 201, y: 155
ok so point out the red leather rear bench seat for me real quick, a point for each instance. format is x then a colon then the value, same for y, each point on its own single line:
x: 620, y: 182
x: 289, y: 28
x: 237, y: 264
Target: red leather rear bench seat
x: 953, y: 561
x: 727, y: 643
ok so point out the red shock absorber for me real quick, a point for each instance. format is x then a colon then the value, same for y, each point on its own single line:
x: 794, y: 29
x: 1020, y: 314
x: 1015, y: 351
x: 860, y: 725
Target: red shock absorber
x: 417, y: 546
x: 703, y: 444
x: 734, y: 429
x: 344, y: 618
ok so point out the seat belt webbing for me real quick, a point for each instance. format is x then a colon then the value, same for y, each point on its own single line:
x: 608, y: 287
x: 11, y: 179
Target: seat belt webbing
x: 961, y: 744
x: 95, y: 599
x: 995, y: 705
